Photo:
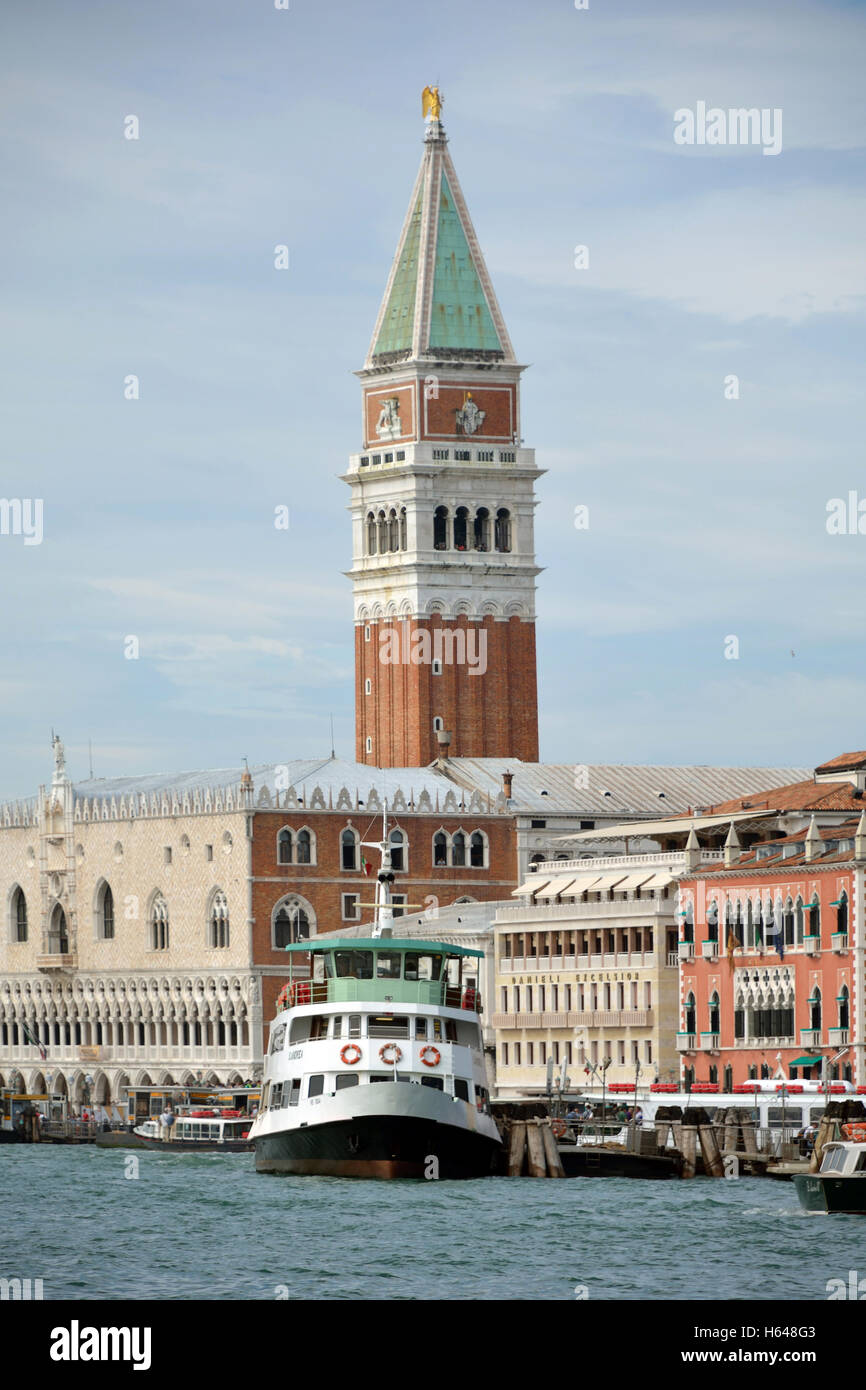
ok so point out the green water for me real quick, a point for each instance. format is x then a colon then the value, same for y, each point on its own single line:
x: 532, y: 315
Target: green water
x: 207, y: 1226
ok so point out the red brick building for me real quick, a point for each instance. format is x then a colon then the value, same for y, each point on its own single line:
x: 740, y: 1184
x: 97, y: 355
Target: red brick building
x: 442, y: 504
x: 772, y: 939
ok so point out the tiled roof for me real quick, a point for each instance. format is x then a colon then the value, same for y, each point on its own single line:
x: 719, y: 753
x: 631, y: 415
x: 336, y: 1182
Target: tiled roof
x: 805, y: 795
x: 845, y: 761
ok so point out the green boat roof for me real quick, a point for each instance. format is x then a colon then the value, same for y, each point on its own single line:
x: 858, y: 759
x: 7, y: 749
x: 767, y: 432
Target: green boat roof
x: 381, y: 943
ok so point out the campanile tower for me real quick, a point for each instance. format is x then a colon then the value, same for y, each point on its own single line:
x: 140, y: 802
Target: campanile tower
x: 442, y: 502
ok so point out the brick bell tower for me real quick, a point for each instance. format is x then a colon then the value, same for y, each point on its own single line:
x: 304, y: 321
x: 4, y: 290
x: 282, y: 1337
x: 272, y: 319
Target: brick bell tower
x: 442, y: 502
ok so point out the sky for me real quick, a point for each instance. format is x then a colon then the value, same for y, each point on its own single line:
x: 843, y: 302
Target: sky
x: 258, y: 127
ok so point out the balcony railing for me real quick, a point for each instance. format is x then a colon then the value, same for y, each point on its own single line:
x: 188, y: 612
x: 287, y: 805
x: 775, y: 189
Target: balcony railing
x: 839, y: 941
x: 710, y: 1042
x: 601, y: 1018
x: 810, y: 1037
x: 650, y: 908
x: 641, y: 959
x: 838, y: 1037
x: 66, y: 960
x: 812, y: 945
x: 686, y: 951
x: 350, y: 991
x: 676, y: 862
x: 686, y: 1042
x: 709, y: 950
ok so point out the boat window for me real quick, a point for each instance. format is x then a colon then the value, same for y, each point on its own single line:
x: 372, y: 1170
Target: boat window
x: 461, y: 1088
x: 355, y: 1026
x: 816, y: 1114
x: 337, y: 1026
x: 319, y: 1027
x: 277, y: 1036
x: 861, y: 1164
x: 834, y: 1160
x: 287, y: 1093
x: 450, y: 1030
x: 295, y: 1095
x: 322, y: 965
x: 265, y: 1094
x: 434, y: 1082
x: 277, y: 1095
x: 388, y: 964
x: 437, y: 1028
x: 316, y: 1085
x: 423, y: 967
x: 213, y: 1131
x: 354, y: 965
x: 420, y: 1027
x: 453, y: 970
x: 346, y: 1079
x: 389, y: 1076
x: 387, y: 1026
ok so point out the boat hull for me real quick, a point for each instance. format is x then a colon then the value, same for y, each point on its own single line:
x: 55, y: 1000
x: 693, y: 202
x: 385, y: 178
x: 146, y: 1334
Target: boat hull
x: 379, y: 1146
x: 595, y: 1161
x: 831, y: 1194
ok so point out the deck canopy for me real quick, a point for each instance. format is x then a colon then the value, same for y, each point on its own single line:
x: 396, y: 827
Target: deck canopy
x: 380, y: 943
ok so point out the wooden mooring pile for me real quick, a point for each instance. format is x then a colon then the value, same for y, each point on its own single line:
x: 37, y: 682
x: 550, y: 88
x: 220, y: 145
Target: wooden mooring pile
x: 726, y: 1134
x: 532, y: 1149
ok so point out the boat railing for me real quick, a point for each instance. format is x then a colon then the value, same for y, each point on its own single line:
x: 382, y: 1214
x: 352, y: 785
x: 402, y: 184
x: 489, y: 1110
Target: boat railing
x: 351, y: 990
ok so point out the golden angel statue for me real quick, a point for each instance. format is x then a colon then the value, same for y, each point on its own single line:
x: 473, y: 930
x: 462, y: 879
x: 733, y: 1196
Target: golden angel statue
x: 431, y: 102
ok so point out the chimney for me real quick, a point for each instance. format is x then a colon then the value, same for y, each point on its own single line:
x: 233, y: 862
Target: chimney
x: 443, y: 738
x: 507, y: 779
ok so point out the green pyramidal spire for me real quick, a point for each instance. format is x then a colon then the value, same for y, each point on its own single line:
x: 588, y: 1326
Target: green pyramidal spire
x: 439, y: 300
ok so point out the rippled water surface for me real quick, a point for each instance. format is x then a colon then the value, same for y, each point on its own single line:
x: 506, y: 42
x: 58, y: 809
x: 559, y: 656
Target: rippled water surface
x: 207, y: 1226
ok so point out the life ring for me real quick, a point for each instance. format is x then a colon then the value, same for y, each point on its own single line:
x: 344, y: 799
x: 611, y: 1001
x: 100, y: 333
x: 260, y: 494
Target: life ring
x: 559, y: 1127
x: 394, y: 1051
x: 430, y: 1056
x: 344, y: 1051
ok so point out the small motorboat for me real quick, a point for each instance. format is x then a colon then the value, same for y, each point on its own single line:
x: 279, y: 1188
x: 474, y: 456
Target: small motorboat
x: 840, y: 1183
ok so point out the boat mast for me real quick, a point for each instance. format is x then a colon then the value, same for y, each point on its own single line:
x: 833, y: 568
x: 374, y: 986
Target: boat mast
x: 383, y: 922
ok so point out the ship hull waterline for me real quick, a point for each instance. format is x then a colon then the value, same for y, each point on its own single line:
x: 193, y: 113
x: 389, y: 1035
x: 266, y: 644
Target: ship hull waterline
x: 379, y: 1146
x: 839, y: 1195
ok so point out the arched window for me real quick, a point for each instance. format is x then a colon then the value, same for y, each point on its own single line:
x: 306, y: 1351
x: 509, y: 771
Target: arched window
x: 788, y: 922
x: 219, y: 920
x: 842, y: 913
x: 714, y: 1076
x: 19, y: 915
x: 481, y: 529
x: 799, y: 916
x: 440, y: 528
x: 402, y: 528
x: 393, y: 530
x: 713, y: 921
x: 284, y: 846
x: 842, y: 999
x: 476, y: 850
x: 291, y: 922
x: 714, y: 1012
x: 458, y: 849
x: 304, y: 846
x: 503, y: 529
x: 159, y: 924
x: 58, y: 932
x: 399, y: 850
x: 105, y: 913
x: 382, y: 533
x: 815, y: 917
x: 371, y: 533
x: 814, y: 1002
x: 440, y: 849
x: 438, y: 726
x: 461, y: 524
x: 691, y: 1014
x: 349, y: 850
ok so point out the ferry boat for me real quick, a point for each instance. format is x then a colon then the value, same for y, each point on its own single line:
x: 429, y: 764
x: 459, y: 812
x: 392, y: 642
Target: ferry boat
x: 199, y: 1131
x: 375, y: 1065
x: 840, y: 1183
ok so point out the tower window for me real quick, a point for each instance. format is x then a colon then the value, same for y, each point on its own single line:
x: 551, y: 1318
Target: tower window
x: 481, y: 529
x: 461, y: 520
x: 371, y: 534
x: 437, y: 724
x: 393, y: 531
x: 369, y: 745
x: 402, y: 528
x: 437, y: 666
x: 440, y: 528
x: 503, y: 529
x: 366, y: 632
x: 368, y: 687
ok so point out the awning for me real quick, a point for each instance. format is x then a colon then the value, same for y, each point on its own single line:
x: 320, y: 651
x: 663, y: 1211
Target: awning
x: 660, y: 880
x: 634, y: 880
x: 557, y: 886
x: 582, y: 882
x: 608, y: 881
x: 806, y: 1062
x: 532, y: 885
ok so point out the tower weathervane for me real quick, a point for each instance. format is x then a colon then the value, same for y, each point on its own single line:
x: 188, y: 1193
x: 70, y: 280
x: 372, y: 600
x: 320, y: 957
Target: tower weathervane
x: 431, y: 103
